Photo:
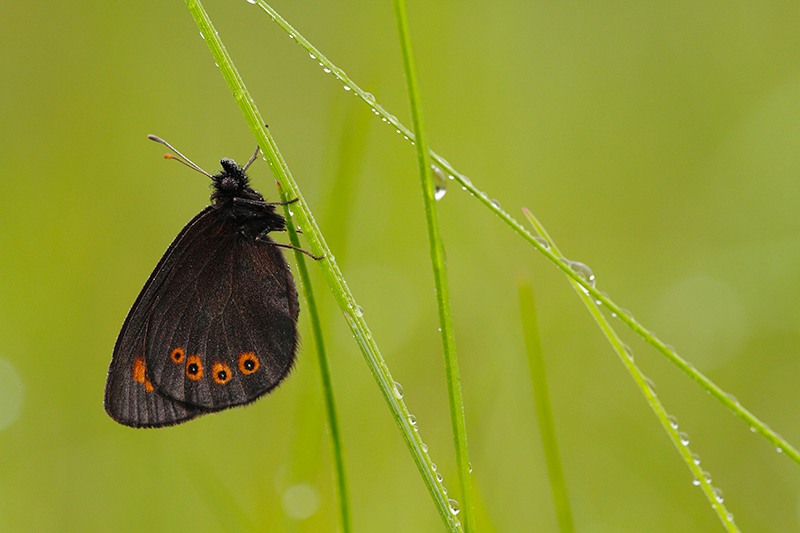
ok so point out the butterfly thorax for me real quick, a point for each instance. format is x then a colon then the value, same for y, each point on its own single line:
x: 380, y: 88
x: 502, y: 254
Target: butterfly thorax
x: 253, y: 215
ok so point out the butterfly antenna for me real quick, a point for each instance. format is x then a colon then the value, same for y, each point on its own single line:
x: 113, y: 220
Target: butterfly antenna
x: 179, y: 156
x: 255, y: 155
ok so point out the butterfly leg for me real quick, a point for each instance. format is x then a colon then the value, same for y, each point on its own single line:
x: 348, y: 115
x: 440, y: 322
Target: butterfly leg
x: 309, y: 254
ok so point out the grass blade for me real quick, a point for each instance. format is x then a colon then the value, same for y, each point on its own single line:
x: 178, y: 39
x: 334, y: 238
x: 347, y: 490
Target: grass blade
x: 439, y: 273
x: 679, y: 440
x: 543, y: 411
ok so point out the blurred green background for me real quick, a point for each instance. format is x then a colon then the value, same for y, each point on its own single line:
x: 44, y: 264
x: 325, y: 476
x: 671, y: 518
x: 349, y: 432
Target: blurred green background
x: 659, y: 144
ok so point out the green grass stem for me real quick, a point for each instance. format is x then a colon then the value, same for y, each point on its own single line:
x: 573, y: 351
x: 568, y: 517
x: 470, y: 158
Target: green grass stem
x: 547, y: 427
x: 330, y: 269
x: 337, y: 447
x: 439, y: 272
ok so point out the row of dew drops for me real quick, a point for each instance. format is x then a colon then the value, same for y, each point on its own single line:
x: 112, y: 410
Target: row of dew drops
x: 455, y: 508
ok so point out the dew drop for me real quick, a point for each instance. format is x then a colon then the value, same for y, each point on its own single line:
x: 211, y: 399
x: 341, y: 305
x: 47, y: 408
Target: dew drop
x: 470, y: 467
x: 326, y: 70
x: 495, y: 203
x: 732, y: 398
x: 251, y: 1
x: 779, y: 449
x: 753, y: 429
x: 439, y: 477
x: 707, y: 476
x: 628, y: 352
x: 346, y: 87
x: 433, y: 467
x: 454, y: 507
x: 439, y: 183
x: 684, y: 438
x: 696, y: 482
x: 370, y: 97
x: 543, y: 242
x: 424, y: 447
x: 696, y: 459
x: 718, y: 494
x: 398, y: 390
x: 412, y: 420
x: 582, y: 270
x: 359, y: 311
x: 310, y: 54
x: 673, y: 421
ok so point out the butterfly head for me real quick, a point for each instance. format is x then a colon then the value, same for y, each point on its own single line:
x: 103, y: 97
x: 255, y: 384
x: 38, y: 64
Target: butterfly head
x: 232, y: 179
x: 231, y: 182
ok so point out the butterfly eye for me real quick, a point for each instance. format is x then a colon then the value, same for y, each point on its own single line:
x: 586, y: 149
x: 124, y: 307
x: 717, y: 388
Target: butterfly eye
x: 177, y: 355
x: 248, y: 363
x: 222, y: 374
x: 194, y: 368
x: 138, y: 374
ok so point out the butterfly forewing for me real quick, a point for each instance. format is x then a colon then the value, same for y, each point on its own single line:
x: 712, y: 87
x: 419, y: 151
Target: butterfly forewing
x: 130, y: 396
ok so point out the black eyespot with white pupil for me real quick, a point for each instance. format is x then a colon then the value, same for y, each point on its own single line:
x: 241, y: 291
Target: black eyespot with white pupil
x: 221, y: 373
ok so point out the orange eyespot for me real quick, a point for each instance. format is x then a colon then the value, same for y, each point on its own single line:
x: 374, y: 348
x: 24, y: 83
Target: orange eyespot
x: 194, y: 367
x: 248, y: 363
x: 177, y: 355
x: 221, y: 373
x: 139, y: 374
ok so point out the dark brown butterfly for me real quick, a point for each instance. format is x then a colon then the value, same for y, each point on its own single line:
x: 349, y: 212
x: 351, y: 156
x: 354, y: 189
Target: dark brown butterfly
x: 215, y: 325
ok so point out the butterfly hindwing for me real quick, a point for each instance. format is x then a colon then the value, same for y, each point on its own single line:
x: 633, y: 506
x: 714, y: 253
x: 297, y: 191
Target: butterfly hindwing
x: 223, y: 332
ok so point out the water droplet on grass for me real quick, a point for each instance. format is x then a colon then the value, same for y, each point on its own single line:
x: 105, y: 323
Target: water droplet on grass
x: 454, y: 507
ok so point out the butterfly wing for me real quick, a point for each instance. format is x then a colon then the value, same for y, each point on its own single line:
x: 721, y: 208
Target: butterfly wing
x: 130, y: 396
x: 223, y: 330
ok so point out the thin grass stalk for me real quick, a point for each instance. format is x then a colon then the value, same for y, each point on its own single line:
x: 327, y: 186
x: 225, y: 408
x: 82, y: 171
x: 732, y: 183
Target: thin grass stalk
x: 439, y: 274
x: 547, y: 427
x: 337, y: 446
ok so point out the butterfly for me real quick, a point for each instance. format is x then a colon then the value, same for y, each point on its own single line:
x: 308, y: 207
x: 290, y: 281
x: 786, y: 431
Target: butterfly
x: 215, y: 325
